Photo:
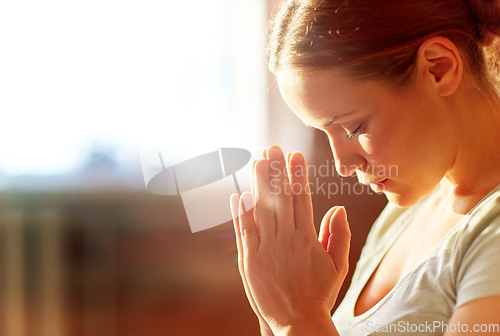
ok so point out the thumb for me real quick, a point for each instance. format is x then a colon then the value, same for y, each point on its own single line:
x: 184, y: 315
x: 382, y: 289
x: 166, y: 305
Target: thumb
x: 339, y: 241
x: 324, y: 230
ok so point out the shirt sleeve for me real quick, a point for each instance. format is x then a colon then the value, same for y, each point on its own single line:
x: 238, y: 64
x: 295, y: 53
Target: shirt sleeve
x: 479, y: 270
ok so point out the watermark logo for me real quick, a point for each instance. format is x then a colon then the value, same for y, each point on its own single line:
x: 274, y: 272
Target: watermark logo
x: 430, y: 327
x: 204, y: 183
x: 341, y: 186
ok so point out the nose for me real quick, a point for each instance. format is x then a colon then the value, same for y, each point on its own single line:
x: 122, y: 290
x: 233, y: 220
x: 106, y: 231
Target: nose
x: 347, y: 157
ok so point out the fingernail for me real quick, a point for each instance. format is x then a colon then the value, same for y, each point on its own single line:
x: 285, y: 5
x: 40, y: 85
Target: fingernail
x: 275, y: 153
x: 247, y: 200
x: 343, y: 213
x: 299, y: 158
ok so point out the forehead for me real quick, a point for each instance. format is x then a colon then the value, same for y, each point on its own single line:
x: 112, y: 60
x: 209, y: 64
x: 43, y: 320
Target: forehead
x: 317, y: 96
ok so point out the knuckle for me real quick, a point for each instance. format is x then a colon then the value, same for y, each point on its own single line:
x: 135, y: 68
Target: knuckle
x: 289, y: 240
x: 265, y: 212
x: 250, y: 231
x: 302, y: 198
x: 307, y: 240
x: 285, y: 200
x: 347, y: 236
x: 345, y: 269
x: 289, y: 244
x: 342, y: 267
x: 283, y: 193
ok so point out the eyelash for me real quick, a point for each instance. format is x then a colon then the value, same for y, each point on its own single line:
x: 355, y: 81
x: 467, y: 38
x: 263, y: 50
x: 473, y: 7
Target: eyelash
x: 354, y: 134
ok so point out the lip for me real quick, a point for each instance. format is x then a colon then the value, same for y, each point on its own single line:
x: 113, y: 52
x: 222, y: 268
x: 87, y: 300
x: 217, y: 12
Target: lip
x: 379, y: 186
x: 375, y: 182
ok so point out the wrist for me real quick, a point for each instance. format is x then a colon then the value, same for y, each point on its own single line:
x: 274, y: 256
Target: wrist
x: 321, y: 325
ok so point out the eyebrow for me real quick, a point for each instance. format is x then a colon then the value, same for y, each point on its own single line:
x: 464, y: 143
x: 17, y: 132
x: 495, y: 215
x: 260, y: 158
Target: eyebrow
x: 331, y: 120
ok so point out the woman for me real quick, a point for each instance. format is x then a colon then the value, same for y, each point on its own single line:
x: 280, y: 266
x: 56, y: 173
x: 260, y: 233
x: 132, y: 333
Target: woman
x: 392, y: 83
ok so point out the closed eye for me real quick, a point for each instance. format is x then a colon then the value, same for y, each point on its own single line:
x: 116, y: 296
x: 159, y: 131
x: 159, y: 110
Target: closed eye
x: 353, y: 134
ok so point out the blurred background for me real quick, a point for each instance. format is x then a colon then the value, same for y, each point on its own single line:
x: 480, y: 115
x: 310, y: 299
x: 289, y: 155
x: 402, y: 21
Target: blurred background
x: 84, y: 85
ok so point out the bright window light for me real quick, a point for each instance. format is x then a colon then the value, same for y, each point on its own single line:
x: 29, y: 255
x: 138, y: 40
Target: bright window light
x: 80, y: 75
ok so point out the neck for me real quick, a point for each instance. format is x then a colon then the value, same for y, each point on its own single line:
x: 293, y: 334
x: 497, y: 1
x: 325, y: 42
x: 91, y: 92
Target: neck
x: 476, y: 168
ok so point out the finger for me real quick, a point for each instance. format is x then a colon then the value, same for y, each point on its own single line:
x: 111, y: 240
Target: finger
x: 340, y: 239
x: 252, y: 177
x: 234, y: 201
x: 253, y: 189
x: 302, y: 203
x: 264, y: 153
x: 265, y: 207
x: 241, y: 265
x: 288, y: 155
x: 281, y: 192
x: 248, y: 228
x: 324, y: 229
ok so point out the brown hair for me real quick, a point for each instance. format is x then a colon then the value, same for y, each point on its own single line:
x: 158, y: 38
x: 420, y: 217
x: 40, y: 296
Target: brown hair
x: 379, y: 39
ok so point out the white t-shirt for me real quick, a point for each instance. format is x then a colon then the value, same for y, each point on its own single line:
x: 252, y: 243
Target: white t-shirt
x: 464, y: 265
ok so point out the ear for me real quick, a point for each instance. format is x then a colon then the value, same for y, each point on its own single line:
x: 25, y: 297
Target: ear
x: 440, y: 63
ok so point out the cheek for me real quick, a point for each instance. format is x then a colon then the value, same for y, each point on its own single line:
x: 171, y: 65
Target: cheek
x: 386, y: 151
x: 366, y: 144
x: 381, y: 147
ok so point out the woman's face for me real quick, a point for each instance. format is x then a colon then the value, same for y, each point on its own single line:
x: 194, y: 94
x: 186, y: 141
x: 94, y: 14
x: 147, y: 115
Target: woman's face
x: 401, y: 144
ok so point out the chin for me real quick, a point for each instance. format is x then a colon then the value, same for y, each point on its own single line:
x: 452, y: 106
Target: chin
x: 408, y: 198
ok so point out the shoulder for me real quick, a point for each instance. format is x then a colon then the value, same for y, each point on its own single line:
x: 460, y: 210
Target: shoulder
x: 484, y: 221
x: 477, y: 253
